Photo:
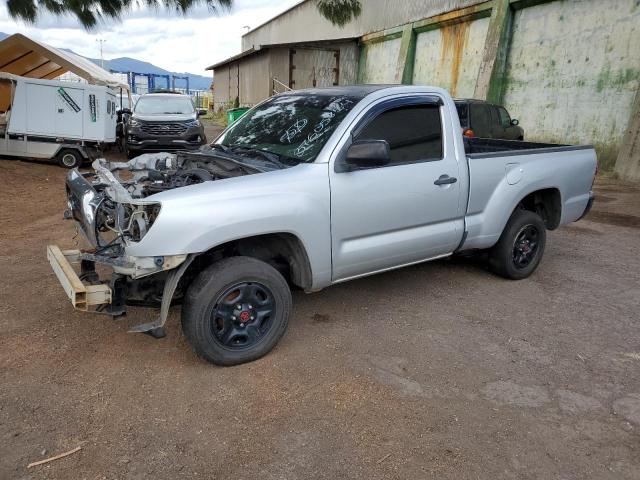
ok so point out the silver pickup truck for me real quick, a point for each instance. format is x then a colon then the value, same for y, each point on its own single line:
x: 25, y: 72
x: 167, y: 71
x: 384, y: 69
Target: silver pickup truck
x: 308, y: 189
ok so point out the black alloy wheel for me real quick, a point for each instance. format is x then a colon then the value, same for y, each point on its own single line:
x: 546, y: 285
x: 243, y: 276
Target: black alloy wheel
x: 525, y: 246
x: 242, y: 315
x: 520, y: 247
x: 236, y: 310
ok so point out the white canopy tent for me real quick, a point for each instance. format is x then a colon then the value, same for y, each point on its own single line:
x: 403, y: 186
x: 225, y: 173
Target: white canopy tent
x: 20, y: 55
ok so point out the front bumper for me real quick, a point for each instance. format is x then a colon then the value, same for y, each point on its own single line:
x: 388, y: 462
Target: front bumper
x: 94, y: 295
x: 138, y: 140
x: 83, y: 296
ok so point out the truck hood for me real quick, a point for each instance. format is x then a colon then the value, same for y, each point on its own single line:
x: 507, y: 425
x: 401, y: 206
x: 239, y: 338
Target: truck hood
x: 124, y: 197
x: 197, y: 217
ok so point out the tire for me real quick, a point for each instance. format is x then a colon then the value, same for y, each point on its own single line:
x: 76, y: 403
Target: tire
x: 224, y: 334
x: 520, y: 247
x: 69, y: 158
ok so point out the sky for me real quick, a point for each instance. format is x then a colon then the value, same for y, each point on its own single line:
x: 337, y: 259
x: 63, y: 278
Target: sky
x: 167, y: 39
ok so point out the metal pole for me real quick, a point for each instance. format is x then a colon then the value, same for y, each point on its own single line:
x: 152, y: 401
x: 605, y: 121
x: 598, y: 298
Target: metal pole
x: 101, y: 42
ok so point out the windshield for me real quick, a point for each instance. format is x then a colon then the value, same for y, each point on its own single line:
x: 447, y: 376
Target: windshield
x: 164, y: 105
x: 294, y: 127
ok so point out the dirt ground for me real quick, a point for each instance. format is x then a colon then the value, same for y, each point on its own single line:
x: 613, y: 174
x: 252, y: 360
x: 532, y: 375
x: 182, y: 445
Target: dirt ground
x: 440, y: 371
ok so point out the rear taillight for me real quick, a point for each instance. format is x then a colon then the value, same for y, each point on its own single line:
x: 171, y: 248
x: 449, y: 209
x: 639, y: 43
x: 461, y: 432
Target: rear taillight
x: 469, y: 133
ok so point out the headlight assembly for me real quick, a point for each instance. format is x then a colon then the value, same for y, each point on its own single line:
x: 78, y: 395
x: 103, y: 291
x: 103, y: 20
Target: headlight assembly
x: 127, y: 221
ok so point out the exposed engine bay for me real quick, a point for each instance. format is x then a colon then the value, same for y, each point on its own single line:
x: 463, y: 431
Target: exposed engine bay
x: 111, y: 204
x: 156, y: 172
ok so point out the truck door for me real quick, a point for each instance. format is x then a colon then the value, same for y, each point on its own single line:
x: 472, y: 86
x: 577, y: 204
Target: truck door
x: 69, y: 112
x: 406, y: 211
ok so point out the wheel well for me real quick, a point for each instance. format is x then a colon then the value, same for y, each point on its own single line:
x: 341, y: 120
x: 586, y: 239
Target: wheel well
x: 283, y: 251
x: 547, y: 203
x: 66, y: 148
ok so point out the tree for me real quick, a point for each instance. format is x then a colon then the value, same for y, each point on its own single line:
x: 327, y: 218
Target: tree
x: 339, y: 12
x: 90, y: 12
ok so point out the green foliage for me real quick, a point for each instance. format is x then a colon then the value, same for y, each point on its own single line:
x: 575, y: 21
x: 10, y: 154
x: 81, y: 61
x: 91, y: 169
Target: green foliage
x: 90, y: 12
x: 339, y: 12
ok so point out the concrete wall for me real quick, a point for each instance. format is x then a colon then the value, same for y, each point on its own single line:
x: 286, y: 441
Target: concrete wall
x: 449, y: 57
x: 380, y: 61
x: 569, y: 70
x: 573, y: 69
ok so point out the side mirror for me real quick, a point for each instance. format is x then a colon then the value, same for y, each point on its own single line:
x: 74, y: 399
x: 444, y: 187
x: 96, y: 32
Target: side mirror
x: 515, y: 122
x: 367, y: 154
x: 126, y: 111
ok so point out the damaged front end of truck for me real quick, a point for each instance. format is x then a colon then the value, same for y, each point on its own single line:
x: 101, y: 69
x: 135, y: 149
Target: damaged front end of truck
x: 114, y: 208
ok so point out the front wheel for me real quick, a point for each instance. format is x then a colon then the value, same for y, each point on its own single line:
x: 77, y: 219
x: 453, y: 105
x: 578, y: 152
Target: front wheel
x: 520, y: 247
x: 236, y: 311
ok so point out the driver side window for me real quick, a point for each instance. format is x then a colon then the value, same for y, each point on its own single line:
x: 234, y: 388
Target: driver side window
x: 414, y: 133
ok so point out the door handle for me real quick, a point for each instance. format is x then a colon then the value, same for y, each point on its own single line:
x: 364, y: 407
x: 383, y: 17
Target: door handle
x: 445, y: 180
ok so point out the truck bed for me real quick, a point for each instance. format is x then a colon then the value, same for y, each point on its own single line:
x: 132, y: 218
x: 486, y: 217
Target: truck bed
x: 501, y: 171
x: 490, y: 147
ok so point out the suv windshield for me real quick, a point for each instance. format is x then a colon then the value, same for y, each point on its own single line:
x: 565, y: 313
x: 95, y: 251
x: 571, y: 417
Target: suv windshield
x: 164, y: 105
x: 294, y: 127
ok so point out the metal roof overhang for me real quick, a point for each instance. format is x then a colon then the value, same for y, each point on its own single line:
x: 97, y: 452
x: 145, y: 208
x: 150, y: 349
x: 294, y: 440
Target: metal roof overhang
x: 22, y: 56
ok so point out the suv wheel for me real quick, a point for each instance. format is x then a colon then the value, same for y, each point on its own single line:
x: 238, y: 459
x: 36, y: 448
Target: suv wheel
x: 236, y: 311
x: 520, y: 247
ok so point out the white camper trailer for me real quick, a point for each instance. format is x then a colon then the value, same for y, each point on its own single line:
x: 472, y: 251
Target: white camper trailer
x: 49, y: 119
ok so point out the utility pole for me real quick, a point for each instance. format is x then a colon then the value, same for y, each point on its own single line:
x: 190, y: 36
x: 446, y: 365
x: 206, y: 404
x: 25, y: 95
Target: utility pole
x: 101, y: 42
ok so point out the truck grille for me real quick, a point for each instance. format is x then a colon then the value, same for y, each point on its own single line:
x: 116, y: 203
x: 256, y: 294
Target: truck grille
x: 164, y: 129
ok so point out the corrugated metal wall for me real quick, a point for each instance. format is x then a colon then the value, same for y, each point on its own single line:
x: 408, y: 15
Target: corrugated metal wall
x: 257, y: 71
x: 303, y: 23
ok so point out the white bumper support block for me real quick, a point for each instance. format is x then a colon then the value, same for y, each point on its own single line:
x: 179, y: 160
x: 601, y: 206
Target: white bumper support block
x: 82, y: 296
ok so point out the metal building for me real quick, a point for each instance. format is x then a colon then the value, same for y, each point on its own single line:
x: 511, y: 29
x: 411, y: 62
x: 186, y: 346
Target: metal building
x: 263, y: 70
x: 569, y: 70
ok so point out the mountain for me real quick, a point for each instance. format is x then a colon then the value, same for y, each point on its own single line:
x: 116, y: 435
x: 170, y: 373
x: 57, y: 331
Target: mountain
x: 126, y: 64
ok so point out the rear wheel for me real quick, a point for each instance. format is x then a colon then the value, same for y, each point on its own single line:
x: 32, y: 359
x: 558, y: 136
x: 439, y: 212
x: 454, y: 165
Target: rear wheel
x: 520, y: 247
x: 69, y: 158
x: 236, y: 311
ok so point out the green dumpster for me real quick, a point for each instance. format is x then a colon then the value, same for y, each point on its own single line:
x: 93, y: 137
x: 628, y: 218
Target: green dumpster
x: 234, y: 114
